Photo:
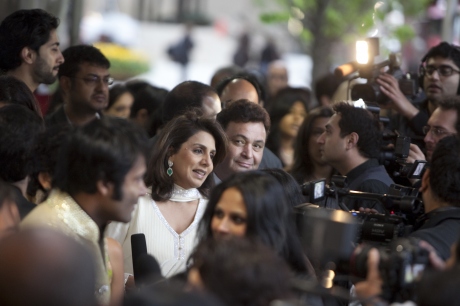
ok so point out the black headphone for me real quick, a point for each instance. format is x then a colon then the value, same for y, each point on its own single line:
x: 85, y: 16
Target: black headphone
x: 421, y: 71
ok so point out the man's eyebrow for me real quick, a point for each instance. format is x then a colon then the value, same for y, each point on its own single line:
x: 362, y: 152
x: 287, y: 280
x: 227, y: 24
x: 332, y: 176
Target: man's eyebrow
x: 240, y: 135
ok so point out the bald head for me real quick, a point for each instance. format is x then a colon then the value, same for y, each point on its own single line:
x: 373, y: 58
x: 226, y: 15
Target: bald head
x: 43, y: 267
x: 239, y: 89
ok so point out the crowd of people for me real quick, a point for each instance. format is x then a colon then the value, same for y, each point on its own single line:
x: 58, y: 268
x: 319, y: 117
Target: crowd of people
x: 210, y: 175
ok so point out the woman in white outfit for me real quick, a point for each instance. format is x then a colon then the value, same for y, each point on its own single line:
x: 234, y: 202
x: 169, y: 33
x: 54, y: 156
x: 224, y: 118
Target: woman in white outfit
x: 179, y: 180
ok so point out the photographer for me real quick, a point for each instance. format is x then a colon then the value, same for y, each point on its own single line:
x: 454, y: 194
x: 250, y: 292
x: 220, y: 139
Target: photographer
x: 440, y: 225
x: 443, y: 122
x: 439, y: 77
x: 351, y: 144
x: 438, y: 286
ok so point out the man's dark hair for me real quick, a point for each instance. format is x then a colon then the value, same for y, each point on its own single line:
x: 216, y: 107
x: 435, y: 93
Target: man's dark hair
x: 244, y: 76
x: 444, y: 50
x: 445, y: 170
x: 104, y: 149
x: 19, y: 128
x: 244, y: 111
x: 24, y: 28
x: 227, y: 265
x: 326, y: 86
x: 15, y: 91
x: 363, y: 123
x: 45, y: 154
x: 76, y: 55
x: 452, y: 103
x: 183, y: 97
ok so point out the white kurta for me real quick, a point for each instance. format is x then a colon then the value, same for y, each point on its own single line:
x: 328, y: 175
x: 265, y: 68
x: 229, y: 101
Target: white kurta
x: 169, y: 248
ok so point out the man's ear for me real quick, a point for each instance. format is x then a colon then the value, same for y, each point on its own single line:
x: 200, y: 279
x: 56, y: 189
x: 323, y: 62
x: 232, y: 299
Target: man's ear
x: 65, y: 83
x: 45, y: 180
x: 352, y: 140
x: 28, y: 55
x: 425, y: 181
x: 105, y: 188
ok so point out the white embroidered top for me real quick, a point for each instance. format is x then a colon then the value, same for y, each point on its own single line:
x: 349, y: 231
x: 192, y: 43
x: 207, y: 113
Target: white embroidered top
x: 169, y: 248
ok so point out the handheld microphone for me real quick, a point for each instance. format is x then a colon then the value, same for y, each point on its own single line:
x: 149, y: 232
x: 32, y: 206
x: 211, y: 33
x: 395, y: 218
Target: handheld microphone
x: 145, y: 267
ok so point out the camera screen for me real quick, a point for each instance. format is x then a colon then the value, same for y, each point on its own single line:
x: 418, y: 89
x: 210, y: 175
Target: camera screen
x: 417, y: 169
x: 319, y: 190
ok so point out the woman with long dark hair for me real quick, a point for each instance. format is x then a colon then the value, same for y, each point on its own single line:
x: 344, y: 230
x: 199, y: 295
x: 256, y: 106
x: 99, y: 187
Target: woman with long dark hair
x: 308, y: 165
x: 287, y: 110
x: 252, y: 204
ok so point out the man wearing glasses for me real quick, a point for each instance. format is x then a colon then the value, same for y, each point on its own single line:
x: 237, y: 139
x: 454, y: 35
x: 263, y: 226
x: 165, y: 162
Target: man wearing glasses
x: 439, y: 77
x: 84, y: 81
x: 443, y: 122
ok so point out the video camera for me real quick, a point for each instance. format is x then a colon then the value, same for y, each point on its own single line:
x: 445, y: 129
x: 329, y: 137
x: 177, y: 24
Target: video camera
x: 328, y: 237
x: 374, y: 228
x: 366, y: 52
x: 394, y: 160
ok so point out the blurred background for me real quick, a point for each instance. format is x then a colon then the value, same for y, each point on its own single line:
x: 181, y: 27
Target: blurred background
x: 313, y: 37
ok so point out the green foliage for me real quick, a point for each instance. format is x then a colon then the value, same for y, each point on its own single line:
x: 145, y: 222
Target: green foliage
x: 343, y: 19
x: 404, y: 33
x: 275, y: 17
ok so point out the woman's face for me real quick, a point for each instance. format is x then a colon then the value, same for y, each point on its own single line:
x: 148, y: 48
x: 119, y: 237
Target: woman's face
x: 230, y: 215
x: 290, y: 123
x: 318, y: 127
x: 122, y: 107
x: 193, y: 161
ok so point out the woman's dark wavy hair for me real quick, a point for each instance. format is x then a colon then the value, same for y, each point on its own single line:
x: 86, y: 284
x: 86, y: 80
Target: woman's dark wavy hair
x: 302, y: 168
x: 290, y: 186
x: 176, y: 132
x: 115, y: 92
x: 15, y: 91
x: 279, y: 107
x: 269, y: 216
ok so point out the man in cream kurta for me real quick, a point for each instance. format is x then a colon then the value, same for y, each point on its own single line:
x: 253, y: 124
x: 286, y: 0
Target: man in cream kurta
x: 98, y: 178
x: 62, y: 213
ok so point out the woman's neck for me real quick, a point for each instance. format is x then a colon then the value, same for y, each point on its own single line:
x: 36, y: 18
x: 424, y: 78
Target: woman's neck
x: 322, y: 172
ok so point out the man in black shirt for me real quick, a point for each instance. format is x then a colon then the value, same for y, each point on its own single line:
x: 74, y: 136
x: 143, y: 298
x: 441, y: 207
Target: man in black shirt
x: 440, y: 225
x: 351, y: 144
x: 439, y: 77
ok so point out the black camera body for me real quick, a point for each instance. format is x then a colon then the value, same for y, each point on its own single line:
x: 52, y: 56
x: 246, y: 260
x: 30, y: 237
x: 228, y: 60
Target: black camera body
x: 400, y: 267
x: 378, y: 229
x: 370, y: 92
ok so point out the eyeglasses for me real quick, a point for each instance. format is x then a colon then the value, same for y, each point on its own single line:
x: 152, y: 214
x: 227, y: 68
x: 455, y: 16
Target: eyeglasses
x: 435, y: 131
x: 443, y: 70
x: 94, y: 80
